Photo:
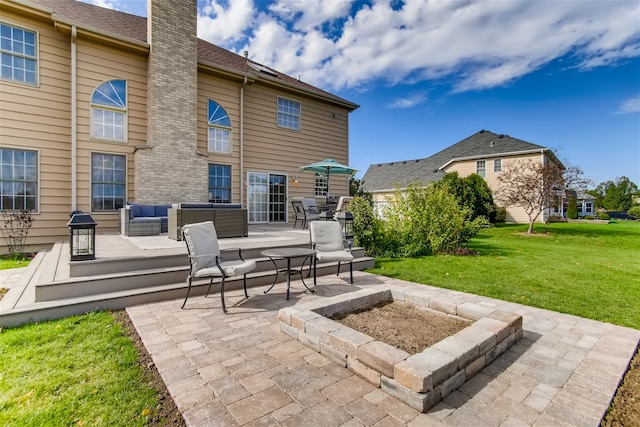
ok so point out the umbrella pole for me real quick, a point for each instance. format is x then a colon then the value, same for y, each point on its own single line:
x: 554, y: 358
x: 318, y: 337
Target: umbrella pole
x: 326, y: 200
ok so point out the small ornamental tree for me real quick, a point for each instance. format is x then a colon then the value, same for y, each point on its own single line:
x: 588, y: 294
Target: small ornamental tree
x: 532, y: 186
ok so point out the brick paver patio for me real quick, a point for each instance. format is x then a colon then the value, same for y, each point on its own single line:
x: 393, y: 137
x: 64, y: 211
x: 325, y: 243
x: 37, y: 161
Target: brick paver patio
x: 241, y: 370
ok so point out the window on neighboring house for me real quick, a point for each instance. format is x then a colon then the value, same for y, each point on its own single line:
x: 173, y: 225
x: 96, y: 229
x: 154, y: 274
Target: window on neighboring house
x: 589, y: 207
x: 18, y: 179
x: 497, y: 165
x: 109, y: 111
x: 481, y: 168
x: 108, y: 182
x: 219, y: 183
x: 18, y: 54
x: 288, y: 113
x: 219, y: 136
x: 579, y: 207
x: 320, y: 185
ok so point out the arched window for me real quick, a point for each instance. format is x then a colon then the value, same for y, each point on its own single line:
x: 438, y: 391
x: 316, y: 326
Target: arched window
x: 219, y: 132
x: 109, y: 111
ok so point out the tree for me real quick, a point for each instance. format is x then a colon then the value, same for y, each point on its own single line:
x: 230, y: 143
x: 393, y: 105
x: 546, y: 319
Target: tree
x: 532, y: 186
x: 615, y: 195
x: 472, y: 192
x: 356, y: 189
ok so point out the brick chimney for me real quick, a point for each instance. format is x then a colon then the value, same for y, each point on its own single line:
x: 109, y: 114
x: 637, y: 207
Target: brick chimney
x: 171, y: 171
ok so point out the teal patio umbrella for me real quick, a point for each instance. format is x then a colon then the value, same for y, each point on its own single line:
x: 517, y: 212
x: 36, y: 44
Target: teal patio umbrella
x: 329, y: 166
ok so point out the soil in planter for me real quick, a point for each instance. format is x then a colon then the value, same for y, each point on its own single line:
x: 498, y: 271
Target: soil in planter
x: 402, y: 325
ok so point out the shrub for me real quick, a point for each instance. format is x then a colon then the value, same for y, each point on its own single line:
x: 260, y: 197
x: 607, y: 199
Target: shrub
x: 572, y: 208
x: 15, y: 230
x: 367, y: 228
x: 634, y: 212
x: 587, y: 217
x: 421, y: 221
x: 501, y: 214
x: 604, y: 216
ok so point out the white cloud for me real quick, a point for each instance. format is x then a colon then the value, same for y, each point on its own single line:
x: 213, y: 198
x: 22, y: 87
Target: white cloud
x: 105, y: 3
x: 308, y: 15
x: 225, y: 25
x: 477, y: 44
x: 631, y: 105
x: 408, y: 102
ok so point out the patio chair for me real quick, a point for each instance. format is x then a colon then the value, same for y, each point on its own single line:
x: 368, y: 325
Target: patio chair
x: 310, y: 211
x: 343, y: 204
x: 298, y: 211
x: 329, y: 243
x: 205, y: 259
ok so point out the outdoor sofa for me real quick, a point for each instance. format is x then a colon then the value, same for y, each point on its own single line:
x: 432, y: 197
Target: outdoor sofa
x: 143, y: 220
x: 230, y: 220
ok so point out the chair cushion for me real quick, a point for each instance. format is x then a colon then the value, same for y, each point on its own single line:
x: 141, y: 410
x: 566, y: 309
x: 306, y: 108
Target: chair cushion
x: 334, y: 256
x: 327, y: 236
x: 202, y: 244
x: 147, y: 210
x: 231, y: 268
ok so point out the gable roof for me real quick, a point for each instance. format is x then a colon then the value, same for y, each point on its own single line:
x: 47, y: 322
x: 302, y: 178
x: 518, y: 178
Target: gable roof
x: 483, y: 144
x: 133, y: 28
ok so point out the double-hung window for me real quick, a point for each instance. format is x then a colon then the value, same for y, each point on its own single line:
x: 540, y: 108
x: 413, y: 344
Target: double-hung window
x: 219, y: 183
x: 18, y: 179
x: 219, y: 132
x: 288, y: 113
x: 497, y: 165
x: 108, y: 182
x: 109, y: 111
x: 320, y: 185
x: 18, y: 54
x: 481, y: 168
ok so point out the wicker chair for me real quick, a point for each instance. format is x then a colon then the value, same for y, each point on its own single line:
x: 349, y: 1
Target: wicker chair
x: 205, y: 259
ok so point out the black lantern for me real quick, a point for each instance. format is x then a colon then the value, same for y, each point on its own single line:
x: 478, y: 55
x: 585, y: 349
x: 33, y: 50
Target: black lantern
x: 346, y: 222
x: 82, y: 237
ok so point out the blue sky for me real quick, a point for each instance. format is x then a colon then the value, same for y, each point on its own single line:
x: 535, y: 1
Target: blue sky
x: 564, y: 74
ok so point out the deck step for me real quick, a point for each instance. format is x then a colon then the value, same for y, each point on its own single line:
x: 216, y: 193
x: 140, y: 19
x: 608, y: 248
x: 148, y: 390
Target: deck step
x: 118, y: 299
x: 142, y: 278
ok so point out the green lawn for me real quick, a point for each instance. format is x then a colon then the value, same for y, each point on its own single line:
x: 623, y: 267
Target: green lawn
x: 75, y: 371
x: 6, y: 263
x: 590, y: 270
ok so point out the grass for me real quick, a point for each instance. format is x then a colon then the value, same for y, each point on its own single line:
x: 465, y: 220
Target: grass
x: 7, y: 263
x: 77, y: 371
x: 589, y: 270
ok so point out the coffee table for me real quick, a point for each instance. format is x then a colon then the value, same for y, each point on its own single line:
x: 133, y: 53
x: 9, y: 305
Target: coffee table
x: 289, y: 254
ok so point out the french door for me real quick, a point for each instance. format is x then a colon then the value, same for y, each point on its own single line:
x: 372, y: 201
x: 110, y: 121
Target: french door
x: 267, y: 197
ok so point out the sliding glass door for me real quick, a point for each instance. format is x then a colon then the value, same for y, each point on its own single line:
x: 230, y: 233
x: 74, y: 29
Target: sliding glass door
x: 267, y: 197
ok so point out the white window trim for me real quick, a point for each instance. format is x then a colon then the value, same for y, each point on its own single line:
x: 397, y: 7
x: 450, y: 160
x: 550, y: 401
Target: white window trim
x: 494, y: 165
x: 126, y: 181
x: 484, y: 174
x: 37, y: 57
x: 124, y: 111
x: 221, y: 127
x: 38, y: 188
x: 299, y: 128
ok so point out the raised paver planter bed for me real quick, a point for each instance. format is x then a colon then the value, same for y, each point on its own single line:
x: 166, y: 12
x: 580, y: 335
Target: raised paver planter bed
x: 420, y: 380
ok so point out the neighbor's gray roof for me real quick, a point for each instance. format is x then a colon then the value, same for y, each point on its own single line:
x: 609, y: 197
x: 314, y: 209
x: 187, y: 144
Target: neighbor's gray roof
x: 134, y: 28
x: 386, y: 176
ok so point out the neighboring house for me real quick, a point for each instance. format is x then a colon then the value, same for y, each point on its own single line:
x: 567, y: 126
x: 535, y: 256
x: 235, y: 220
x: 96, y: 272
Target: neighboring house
x: 484, y: 153
x: 99, y: 107
x: 584, y: 202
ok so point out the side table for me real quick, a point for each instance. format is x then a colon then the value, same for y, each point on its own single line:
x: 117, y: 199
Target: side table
x: 289, y: 254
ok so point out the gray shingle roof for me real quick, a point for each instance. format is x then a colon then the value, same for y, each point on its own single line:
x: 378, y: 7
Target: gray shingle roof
x: 135, y: 28
x: 386, y: 176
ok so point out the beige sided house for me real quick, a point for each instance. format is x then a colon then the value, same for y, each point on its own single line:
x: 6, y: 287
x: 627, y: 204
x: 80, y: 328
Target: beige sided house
x: 484, y: 153
x: 99, y: 107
